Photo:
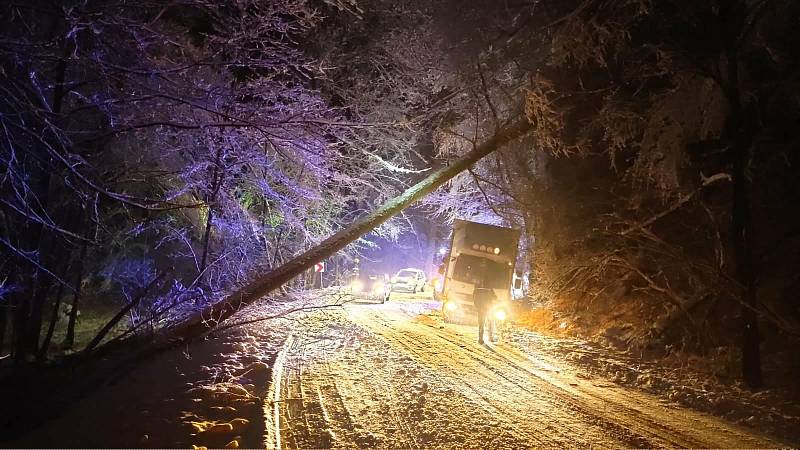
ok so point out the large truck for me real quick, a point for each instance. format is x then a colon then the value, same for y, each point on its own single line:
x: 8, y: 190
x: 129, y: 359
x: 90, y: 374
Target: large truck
x: 480, y: 256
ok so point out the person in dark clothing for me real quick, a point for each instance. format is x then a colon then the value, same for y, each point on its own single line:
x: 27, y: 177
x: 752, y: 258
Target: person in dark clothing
x: 482, y: 298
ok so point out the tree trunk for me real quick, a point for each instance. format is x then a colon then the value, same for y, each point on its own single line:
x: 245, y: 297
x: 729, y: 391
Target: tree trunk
x: 205, y: 320
x: 31, y: 302
x: 40, y: 355
x: 19, y: 323
x: 114, y: 320
x: 4, y: 309
x: 206, y: 239
x: 211, y: 197
x: 69, y: 338
x: 741, y: 224
x: 34, y: 328
x: 742, y: 233
x: 663, y: 323
x: 6, y: 313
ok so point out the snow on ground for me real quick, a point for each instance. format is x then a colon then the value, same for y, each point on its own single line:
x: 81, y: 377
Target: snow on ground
x: 394, y: 375
x: 208, y: 394
x: 768, y: 410
x: 391, y: 375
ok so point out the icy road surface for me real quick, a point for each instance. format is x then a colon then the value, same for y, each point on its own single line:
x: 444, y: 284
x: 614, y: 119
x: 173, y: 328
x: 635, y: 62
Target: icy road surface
x: 395, y: 375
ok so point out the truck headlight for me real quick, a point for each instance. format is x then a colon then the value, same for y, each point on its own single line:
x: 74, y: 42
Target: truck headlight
x: 451, y: 306
x: 500, y: 315
x: 357, y: 286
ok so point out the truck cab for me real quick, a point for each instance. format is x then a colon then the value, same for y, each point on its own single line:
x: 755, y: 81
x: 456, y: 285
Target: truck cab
x: 481, y: 255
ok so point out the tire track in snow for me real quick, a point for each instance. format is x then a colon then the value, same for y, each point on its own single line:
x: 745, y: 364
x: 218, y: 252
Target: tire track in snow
x: 640, y: 414
x: 367, y: 383
x: 632, y: 435
x: 514, y: 436
x: 628, y: 434
x: 634, y: 418
x: 559, y: 429
x: 501, y: 409
x: 392, y: 405
x: 637, y: 412
x: 315, y: 402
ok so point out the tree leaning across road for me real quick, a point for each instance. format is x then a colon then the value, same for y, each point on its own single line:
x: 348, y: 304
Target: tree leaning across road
x: 208, y: 318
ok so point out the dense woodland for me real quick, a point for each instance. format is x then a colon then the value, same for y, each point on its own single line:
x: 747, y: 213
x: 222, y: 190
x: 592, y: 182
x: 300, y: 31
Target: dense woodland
x: 158, y: 156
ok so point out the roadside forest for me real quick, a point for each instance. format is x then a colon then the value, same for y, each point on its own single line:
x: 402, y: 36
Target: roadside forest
x: 163, y: 163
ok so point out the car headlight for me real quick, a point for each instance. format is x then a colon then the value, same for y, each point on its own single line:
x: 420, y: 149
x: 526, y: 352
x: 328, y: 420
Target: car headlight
x: 500, y: 314
x: 451, y: 306
x: 378, y: 287
x: 357, y: 286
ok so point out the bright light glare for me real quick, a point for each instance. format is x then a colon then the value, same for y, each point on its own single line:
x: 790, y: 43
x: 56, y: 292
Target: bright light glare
x: 451, y: 306
x: 497, y: 250
x: 378, y: 287
x: 500, y: 314
x: 442, y: 251
x: 357, y: 286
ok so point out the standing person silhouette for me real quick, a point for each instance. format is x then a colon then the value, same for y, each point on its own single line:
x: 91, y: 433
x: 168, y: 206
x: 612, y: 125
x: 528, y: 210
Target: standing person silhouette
x: 482, y: 297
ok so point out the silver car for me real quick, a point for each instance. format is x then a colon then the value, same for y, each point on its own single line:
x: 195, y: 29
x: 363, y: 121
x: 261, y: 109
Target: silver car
x: 409, y: 280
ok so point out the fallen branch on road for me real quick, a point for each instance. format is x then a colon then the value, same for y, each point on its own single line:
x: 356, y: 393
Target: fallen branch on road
x: 282, y: 314
x: 114, y: 320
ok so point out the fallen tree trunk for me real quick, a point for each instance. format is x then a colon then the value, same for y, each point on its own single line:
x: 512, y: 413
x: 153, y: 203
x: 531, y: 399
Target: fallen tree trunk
x: 115, y: 320
x: 204, y: 321
x: 681, y: 201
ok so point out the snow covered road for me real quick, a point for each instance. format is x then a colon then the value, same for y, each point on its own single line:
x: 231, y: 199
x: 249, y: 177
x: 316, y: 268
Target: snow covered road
x: 395, y: 375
